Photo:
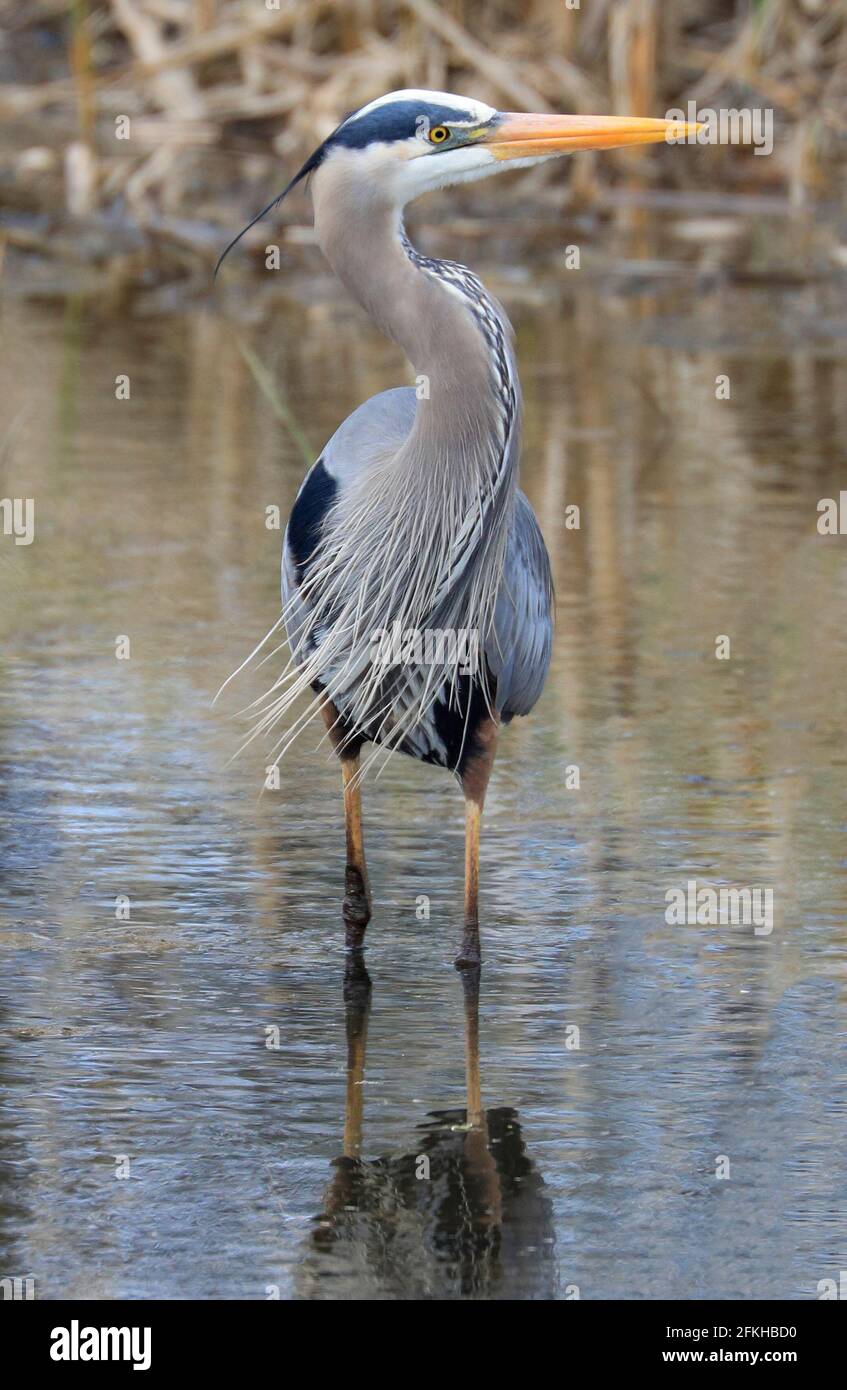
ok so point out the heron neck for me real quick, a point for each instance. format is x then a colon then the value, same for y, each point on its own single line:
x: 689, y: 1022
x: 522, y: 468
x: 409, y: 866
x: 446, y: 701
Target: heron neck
x: 456, y: 337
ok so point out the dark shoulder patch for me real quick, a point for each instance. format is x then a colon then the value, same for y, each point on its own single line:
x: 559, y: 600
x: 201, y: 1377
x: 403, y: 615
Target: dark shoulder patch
x: 314, y: 500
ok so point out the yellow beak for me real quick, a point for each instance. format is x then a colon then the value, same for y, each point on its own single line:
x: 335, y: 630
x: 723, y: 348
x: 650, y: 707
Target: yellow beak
x: 516, y: 135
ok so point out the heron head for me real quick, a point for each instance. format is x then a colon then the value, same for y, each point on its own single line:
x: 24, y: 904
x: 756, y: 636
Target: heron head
x: 409, y: 142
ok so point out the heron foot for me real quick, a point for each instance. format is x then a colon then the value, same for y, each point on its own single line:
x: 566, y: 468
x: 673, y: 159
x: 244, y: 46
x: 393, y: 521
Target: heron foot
x: 357, y: 981
x: 357, y: 903
x: 469, y: 956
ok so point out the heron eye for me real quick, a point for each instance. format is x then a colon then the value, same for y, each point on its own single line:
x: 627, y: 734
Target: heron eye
x: 439, y: 134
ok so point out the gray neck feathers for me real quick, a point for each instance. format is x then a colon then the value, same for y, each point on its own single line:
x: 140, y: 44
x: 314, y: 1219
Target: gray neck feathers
x: 455, y: 335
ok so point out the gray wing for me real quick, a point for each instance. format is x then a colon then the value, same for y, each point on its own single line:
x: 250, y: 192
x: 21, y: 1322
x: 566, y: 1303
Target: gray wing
x: 518, y: 650
x: 381, y: 423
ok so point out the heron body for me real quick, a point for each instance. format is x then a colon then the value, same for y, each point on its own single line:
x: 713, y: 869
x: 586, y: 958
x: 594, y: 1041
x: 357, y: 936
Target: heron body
x: 411, y: 520
x: 515, y: 649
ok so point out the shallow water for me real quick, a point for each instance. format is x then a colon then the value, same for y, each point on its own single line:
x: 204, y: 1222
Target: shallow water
x: 146, y: 1039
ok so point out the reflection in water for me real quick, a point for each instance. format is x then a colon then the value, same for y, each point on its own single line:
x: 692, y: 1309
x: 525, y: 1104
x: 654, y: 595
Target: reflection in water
x: 464, y: 1215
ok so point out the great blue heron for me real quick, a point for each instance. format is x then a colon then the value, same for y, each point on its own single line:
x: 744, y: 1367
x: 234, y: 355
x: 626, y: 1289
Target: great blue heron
x: 416, y: 586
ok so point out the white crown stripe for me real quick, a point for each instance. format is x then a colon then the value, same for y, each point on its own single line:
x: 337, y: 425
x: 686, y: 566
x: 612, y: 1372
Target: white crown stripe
x: 477, y: 111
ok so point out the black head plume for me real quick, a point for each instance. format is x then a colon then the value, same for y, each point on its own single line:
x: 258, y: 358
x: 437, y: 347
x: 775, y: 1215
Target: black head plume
x: 311, y: 163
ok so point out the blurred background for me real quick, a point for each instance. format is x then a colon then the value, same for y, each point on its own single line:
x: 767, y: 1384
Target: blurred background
x: 225, y: 98
x: 144, y: 1032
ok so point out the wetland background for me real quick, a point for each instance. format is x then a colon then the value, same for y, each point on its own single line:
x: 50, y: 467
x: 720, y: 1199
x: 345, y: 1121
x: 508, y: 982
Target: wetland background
x: 292, y: 1167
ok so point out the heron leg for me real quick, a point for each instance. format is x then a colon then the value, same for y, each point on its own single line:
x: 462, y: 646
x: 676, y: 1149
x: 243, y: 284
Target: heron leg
x: 475, y: 776
x: 357, y: 893
x: 357, y: 896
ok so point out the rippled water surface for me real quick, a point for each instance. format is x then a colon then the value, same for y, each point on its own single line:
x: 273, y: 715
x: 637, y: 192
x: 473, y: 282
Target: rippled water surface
x: 337, y: 1161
